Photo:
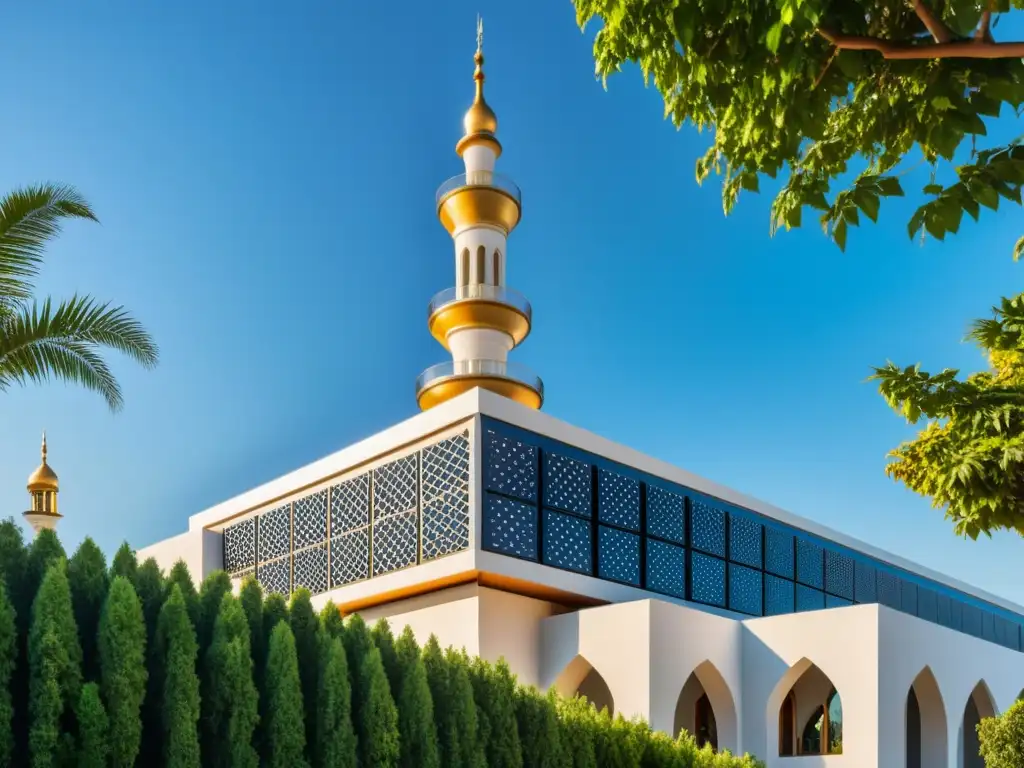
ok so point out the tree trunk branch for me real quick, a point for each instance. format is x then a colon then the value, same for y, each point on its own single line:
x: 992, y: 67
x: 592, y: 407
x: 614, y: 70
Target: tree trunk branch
x: 984, y: 31
x: 933, y: 23
x: 959, y: 49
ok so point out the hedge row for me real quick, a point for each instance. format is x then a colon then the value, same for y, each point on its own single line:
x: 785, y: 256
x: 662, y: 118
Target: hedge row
x: 124, y: 666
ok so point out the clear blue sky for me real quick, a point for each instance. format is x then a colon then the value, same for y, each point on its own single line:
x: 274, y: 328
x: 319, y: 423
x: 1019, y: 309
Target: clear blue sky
x: 265, y: 177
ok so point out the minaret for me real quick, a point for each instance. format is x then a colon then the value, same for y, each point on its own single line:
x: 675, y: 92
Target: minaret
x: 43, y: 487
x: 479, y: 320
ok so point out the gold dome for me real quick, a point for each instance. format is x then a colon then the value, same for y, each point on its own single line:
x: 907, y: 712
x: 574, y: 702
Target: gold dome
x: 44, y: 478
x: 480, y: 122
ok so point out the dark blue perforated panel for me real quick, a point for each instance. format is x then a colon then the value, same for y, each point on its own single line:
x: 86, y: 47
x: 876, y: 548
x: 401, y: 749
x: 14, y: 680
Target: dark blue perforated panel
x: 865, y: 587
x: 567, y: 542
x: 808, y: 599
x: 510, y: 467
x: 839, y: 574
x: 778, y: 557
x: 744, y: 589
x: 618, y: 555
x: 618, y: 500
x: 1003, y: 629
x: 666, y: 568
x: 707, y: 579
x: 745, y: 541
x: 810, y: 563
x: 510, y: 527
x: 908, y: 597
x: 988, y: 626
x: 567, y: 484
x: 927, y: 604
x: 779, y: 595
x: 831, y: 601
x: 942, y: 612
x: 889, y: 589
x: 666, y: 514
x: 707, y: 528
x: 956, y: 615
x: 972, y: 620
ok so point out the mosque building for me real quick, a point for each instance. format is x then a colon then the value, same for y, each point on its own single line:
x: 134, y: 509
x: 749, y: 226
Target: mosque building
x: 595, y: 569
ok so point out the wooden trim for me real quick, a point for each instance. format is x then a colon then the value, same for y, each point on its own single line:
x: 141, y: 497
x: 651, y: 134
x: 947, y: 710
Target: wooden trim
x: 482, y: 578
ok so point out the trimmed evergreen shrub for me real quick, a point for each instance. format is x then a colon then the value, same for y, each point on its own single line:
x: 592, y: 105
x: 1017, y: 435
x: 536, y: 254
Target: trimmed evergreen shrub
x: 416, y: 727
x: 576, y: 721
x: 93, y: 726
x: 284, y: 731
x: 55, y: 670
x: 494, y: 693
x: 275, y: 609
x: 180, y: 576
x: 87, y: 576
x: 176, y: 652
x: 211, y: 593
x: 150, y: 587
x: 230, y: 709
x: 124, y: 563
x: 336, y: 738
x: 305, y: 627
x: 539, y: 731
x: 122, y: 651
x: 251, y: 598
x: 331, y: 622
x: 8, y: 661
x: 385, y: 642
x: 378, y: 716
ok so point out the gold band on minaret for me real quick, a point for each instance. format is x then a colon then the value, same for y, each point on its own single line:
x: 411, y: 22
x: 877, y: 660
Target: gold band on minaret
x: 480, y: 122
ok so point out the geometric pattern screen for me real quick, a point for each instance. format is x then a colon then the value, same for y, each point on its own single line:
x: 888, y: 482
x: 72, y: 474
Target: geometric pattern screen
x: 553, y: 504
x: 411, y: 510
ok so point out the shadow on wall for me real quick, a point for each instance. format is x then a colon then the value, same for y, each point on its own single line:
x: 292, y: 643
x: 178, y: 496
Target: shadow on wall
x: 706, y: 708
x: 810, y: 715
x: 926, y: 723
x: 979, y: 704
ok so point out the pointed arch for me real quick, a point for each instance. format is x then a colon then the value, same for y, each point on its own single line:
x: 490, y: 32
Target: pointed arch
x: 926, y: 726
x: 980, y: 704
x: 464, y: 267
x: 496, y: 267
x: 580, y: 678
x: 481, y: 265
x: 808, y: 711
x: 706, y: 708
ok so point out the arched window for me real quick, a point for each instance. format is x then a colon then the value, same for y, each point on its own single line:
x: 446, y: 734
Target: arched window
x: 811, y: 717
x: 481, y: 263
x: 464, y: 267
x: 810, y: 740
x: 706, y: 729
x: 496, y: 275
x: 596, y: 691
x: 787, y: 720
x: 979, y: 705
x: 834, y: 723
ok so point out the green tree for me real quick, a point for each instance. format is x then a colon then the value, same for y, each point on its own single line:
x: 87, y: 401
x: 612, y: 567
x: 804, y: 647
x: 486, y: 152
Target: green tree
x: 385, y: 642
x: 539, y: 731
x: 306, y: 629
x: 417, y: 731
x: 230, y: 711
x: 251, y: 598
x: 818, y: 91
x: 180, y: 576
x: 45, y: 550
x: 55, y: 669
x: 93, y: 727
x: 494, y: 693
x: 176, y: 653
x: 1002, y: 738
x: 150, y: 587
x: 44, y: 341
x: 122, y: 646
x: 275, y: 609
x: 576, y: 723
x: 378, y: 716
x: 285, y: 733
x: 14, y: 569
x: 211, y: 593
x: 969, y: 457
x: 336, y: 739
x: 454, y: 709
x: 125, y: 563
x: 8, y: 661
x: 87, y: 575
x: 331, y: 622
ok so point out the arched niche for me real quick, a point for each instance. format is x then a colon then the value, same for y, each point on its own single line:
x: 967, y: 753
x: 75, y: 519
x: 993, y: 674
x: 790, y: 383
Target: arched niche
x: 706, y: 709
x: 809, y: 714
x: 579, y: 678
x: 980, y: 704
x: 926, y: 745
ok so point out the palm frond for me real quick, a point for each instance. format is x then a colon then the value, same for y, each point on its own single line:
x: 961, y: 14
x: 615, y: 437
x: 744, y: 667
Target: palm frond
x: 40, y: 342
x: 29, y: 218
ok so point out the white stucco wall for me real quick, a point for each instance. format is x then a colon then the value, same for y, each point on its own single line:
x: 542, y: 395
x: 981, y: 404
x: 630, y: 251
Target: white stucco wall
x: 200, y: 549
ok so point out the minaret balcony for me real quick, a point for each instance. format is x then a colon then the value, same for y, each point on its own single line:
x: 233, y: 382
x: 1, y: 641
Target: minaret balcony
x: 479, y: 197
x: 444, y: 381
x: 479, y: 306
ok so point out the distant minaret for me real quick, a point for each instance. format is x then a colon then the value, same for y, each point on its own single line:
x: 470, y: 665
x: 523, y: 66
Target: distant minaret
x: 479, y: 320
x: 43, y: 487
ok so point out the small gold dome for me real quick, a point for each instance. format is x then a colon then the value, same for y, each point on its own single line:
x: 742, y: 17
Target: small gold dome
x: 44, y: 478
x: 480, y: 118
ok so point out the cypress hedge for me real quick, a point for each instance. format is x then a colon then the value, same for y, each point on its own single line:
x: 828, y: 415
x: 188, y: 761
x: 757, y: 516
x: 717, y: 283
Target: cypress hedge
x: 91, y: 668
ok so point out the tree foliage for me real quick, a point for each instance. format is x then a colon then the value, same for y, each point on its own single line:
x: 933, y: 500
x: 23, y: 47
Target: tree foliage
x: 378, y: 716
x: 336, y: 739
x: 179, y: 576
x: 125, y: 563
x: 93, y: 729
x: 416, y: 714
x: 8, y: 663
x: 494, y: 693
x: 285, y: 728
x: 122, y: 650
x: 42, y: 341
x: 305, y: 628
x: 1002, y: 738
x: 177, y: 650
x: 839, y: 99
x: 87, y: 575
x: 969, y: 457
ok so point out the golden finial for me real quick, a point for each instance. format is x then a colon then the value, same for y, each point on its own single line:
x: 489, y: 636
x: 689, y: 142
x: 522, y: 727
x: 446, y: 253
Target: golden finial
x: 44, y: 478
x: 44, y: 446
x: 480, y: 119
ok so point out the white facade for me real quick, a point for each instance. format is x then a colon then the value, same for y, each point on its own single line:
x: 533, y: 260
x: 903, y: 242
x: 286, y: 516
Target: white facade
x: 430, y: 524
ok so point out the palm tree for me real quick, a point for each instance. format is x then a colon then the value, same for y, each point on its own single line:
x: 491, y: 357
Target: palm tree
x: 40, y: 341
